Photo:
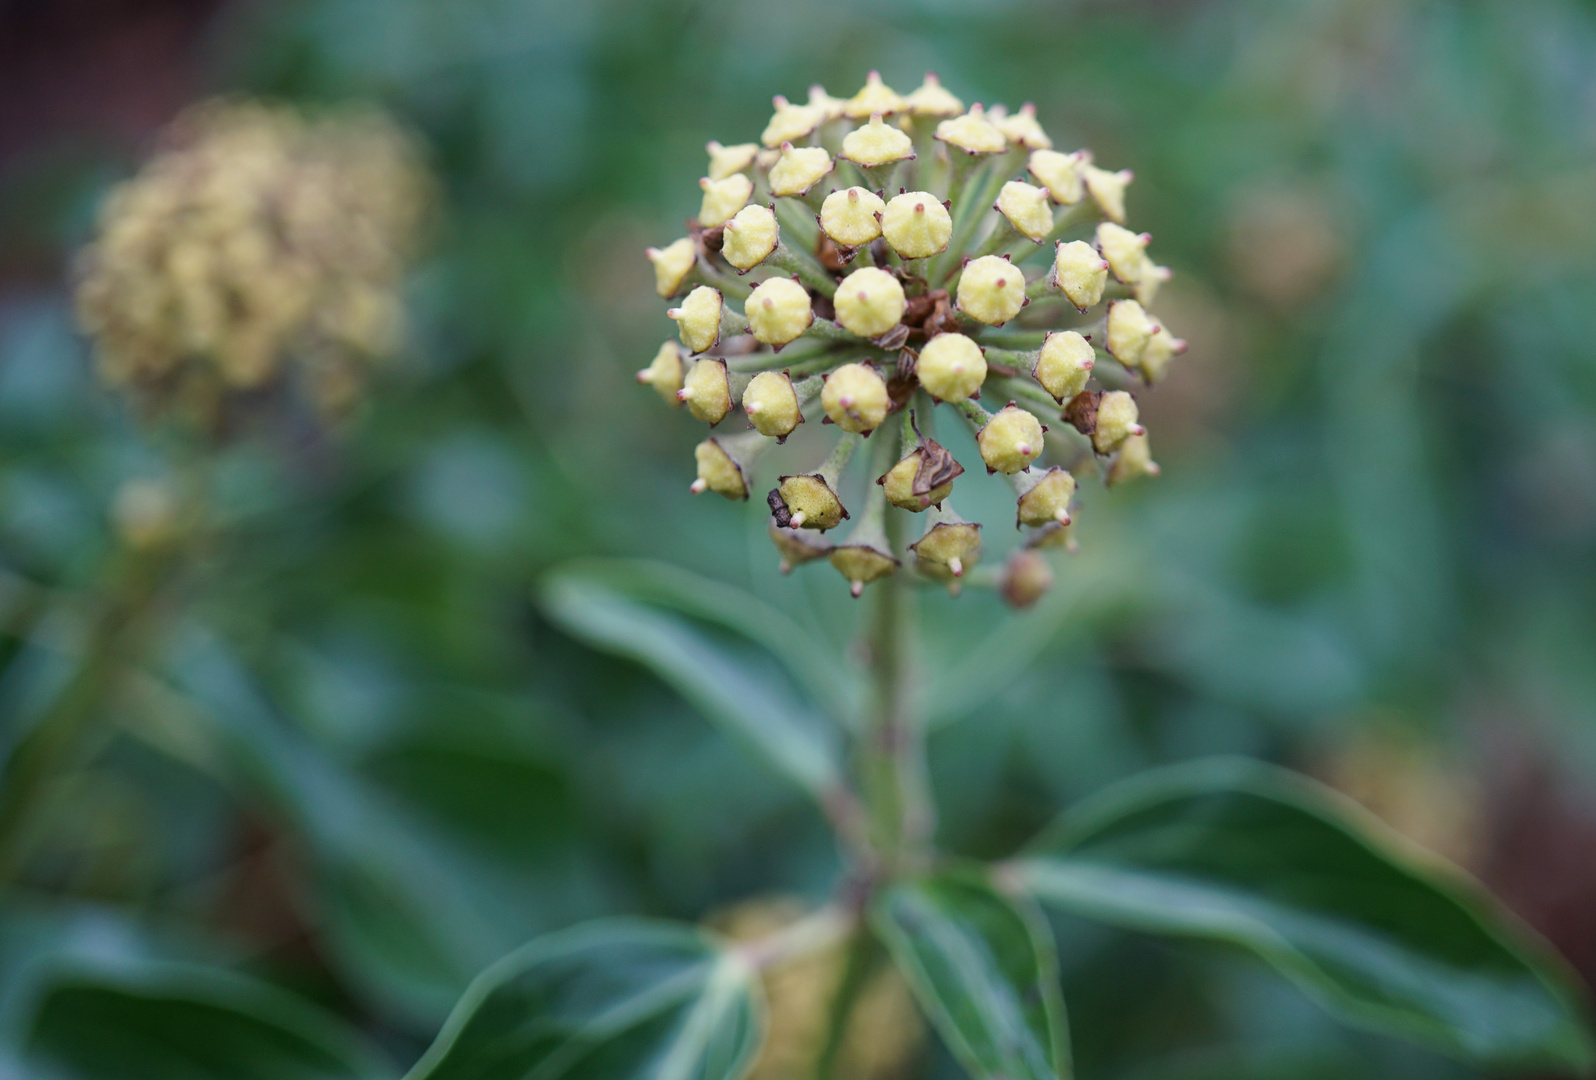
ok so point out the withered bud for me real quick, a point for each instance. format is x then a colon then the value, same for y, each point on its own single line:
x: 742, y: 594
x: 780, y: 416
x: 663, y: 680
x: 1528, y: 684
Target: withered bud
x: 922, y: 478
x: 1081, y: 411
x: 1027, y: 577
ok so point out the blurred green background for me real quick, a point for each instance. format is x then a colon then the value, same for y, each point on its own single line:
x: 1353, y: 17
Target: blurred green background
x: 359, y: 764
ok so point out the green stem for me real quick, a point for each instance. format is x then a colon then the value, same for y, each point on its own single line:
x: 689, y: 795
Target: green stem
x: 864, y: 960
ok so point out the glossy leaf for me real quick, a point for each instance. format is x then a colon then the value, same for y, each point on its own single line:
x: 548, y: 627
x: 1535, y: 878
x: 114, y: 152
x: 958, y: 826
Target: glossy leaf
x: 796, y: 741
x: 1381, y: 933
x: 984, y: 970
x: 605, y: 1001
x: 162, y: 1021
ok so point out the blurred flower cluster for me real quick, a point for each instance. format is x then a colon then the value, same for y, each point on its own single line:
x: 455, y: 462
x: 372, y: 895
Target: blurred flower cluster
x: 878, y: 247
x: 259, y: 249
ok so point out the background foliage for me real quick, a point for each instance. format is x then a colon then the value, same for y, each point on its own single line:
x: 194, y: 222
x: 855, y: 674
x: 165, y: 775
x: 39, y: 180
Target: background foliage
x: 362, y: 765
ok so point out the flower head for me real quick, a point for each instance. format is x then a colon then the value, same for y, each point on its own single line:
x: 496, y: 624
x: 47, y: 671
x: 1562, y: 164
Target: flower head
x: 953, y: 256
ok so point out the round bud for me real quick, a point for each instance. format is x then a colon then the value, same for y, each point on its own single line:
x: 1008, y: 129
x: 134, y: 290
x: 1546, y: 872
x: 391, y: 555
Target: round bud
x: 1153, y: 276
x: 797, y: 547
x: 806, y: 501
x: 948, y: 548
x: 698, y: 319
x: 1061, y: 174
x: 791, y: 123
x: 718, y: 472
x: 855, y: 398
x: 1125, y: 251
x: 1129, y: 330
x: 922, y: 478
x: 1011, y: 440
x: 852, y: 217
x: 1047, y: 500
x: 1116, y: 421
x: 723, y: 198
x: 874, y: 97
x: 1162, y: 347
x: 772, y: 404
x: 877, y: 143
x: 933, y: 99
x: 672, y: 264
x: 1026, y: 578
x: 830, y: 107
x: 861, y: 564
x: 665, y: 373
x: 991, y: 289
x: 1080, y: 272
x: 1027, y: 209
x: 916, y: 225
x: 1065, y: 364
x: 778, y: 311
x: 973, y: 133
x: 799, y: 169
x: 1134, y: 459
x: 750, y: 237
x: 1021, y: 129
x: 869, y: 302
x: 726, y: 160
x: 1108, y: 190
x: 707, y: 391
x: 951, y: 367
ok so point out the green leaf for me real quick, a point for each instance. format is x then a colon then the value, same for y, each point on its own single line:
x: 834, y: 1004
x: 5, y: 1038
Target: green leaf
x: 160, y: 1021
x: 983, y: 968
x: 732, y: 692
x: 1384, y: 935
x: 604, y: 1001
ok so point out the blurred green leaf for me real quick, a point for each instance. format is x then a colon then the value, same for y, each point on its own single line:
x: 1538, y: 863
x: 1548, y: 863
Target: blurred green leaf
x: 731, y: 691
x: 612, y: 1000
x: 1239, y: 852
x: 160, y: 1021
x: 984, y: 969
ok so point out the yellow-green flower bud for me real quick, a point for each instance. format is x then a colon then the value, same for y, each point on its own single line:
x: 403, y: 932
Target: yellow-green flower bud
x: 1011, y: 440
x: 922, y: 478
x: 973, y: 133
x: 1116, y: 421
x: 791, y: 122
x: 1065, y: 364
x: 951, y: 367
x: 1153, y: 276
x: 830, y: 107
x: 874, y: 97
x: 991, y: 289
x: 750, y: 237
x: 1130, y: 328
x: 1021, y: 129
x: 1081, y: 272
x: 665, y: 373
x: 852, y: 218
x: 855, y: 398
x: 948, y: 548
x: 933, y: 99
x: 1026, y: 579
x: 1027, y: 208
x: 1125, y: 251
x: 869, y: 302
x: 877, y: 143
x: 797, y: 547
x: 707, y: 391
x: 698, y: 319
x: 1061, y: 174
x: 1162, y: 347
x: 723, y: 198
x: 916, y: 225
x: 726, y: 160
x: 672, y: 264
x: 1047, y: 500
x: 799, y: 169
x: 772, y: 404
x: 718, y: 471
x: 806, y: 501
x: 1134, y: 459
x: 1108, y: 190
x: 860, y: 564
x: 778, y: 311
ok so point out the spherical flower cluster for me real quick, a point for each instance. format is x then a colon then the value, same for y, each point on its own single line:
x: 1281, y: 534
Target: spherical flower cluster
x: 891, y: 253
x: 257, y: 249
